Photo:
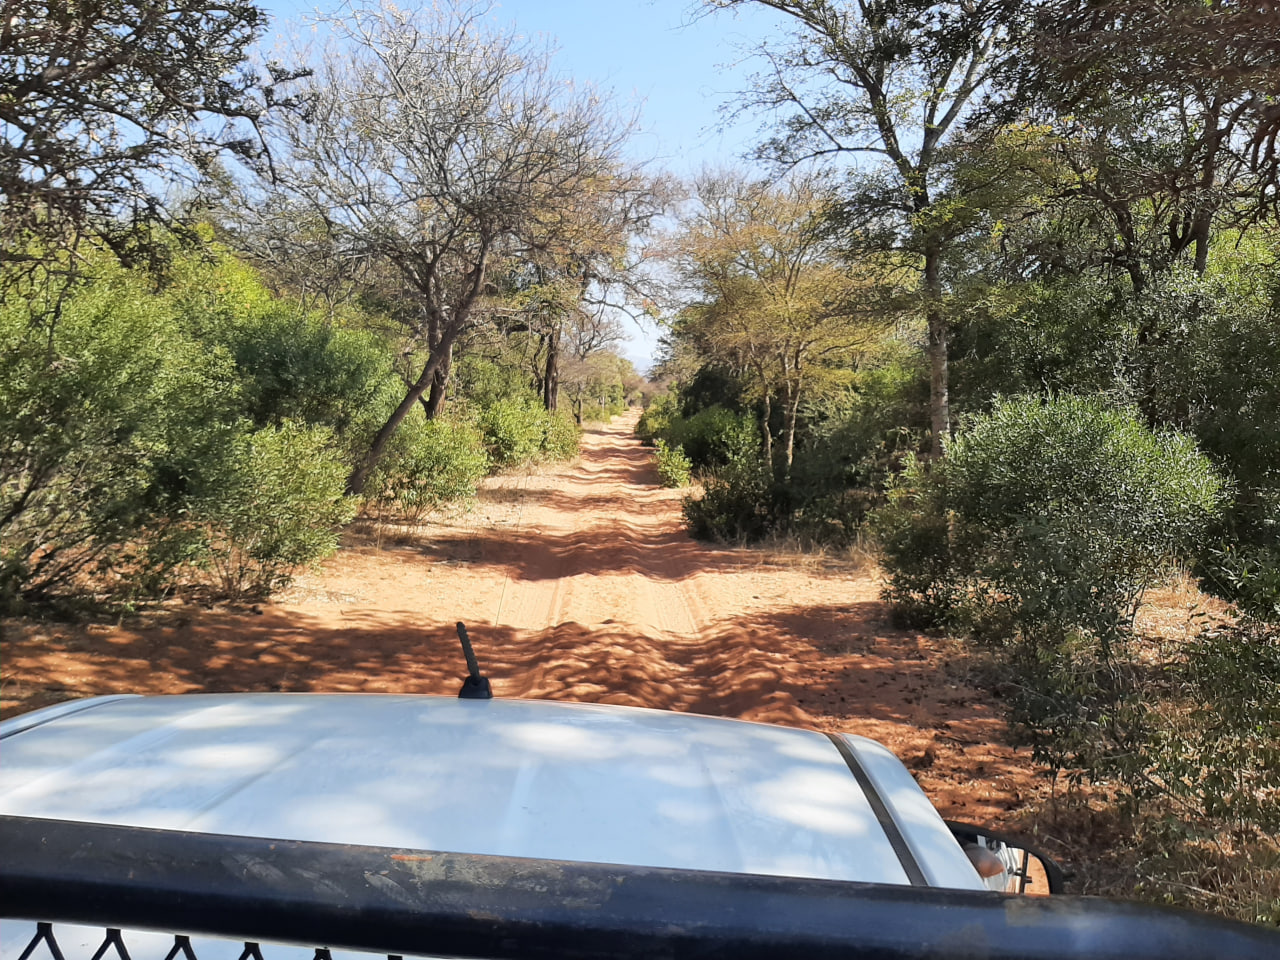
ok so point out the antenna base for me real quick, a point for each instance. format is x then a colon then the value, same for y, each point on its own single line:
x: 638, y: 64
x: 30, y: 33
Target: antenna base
x: 475, y: 688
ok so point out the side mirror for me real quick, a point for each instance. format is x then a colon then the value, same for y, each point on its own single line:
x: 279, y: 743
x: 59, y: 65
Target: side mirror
x: 1006, y: 863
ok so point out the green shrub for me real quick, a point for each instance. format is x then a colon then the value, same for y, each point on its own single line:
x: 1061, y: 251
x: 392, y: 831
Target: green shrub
x: 514, y: 430
x: 297, y: 367
x: 1039, y: 531
x: 1219, y: 747
x: 1061, y: 512
x: 275, y: 508
x: 108, y: 415
x: 126, y: 461
x: 657, y: 417
x: 738, y: 503
x: 485, y: 383
x: 1245, y: 574
x: 427, y: 464
x: 714, y: 437
x: 674, y: 468
x: 560, y: 436
x: 518, y: 430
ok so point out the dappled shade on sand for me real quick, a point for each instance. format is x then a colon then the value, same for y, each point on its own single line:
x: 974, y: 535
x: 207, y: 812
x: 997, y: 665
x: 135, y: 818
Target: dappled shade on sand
x: 576, y: 582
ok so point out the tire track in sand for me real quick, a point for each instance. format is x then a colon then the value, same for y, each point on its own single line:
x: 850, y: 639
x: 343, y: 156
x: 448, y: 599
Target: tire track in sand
x: 601, y: 543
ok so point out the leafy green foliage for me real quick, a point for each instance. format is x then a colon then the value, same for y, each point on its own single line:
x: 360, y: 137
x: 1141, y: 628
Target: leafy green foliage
x: 1246, y: 574
x: 674, y: 468
x: 485, y: 381
x: 560, y: 437
x: 107, y: 416
x: 517, y: 430
x: 737, y: 503
x: 292, y: 364
x: 513, y: 430
x: 714, y: 437
x: 296, y: 367
x: 128, y: 460
x: 428, y: 463
x: 275, y: 508
x: 1059, y: 513
x: 1219, y: 749
x: 1065, y: 336
x: 1039, y: 532
x: 854, y: 444
x: 656, y: 419
x: 1213, y: 370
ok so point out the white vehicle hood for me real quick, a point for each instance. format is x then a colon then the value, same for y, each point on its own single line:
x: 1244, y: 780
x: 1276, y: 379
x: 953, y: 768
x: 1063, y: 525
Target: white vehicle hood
x: 507, y: 777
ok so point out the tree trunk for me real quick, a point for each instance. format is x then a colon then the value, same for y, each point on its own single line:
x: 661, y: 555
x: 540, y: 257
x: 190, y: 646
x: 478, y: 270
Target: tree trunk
x: 1202, y: 226
x: 551, y: 376
x: 441, y: 354
x: 790, y: 414
x: 439, y: 386
x: 939, y: 394
x: 766, y: 435
x: 360, y: 475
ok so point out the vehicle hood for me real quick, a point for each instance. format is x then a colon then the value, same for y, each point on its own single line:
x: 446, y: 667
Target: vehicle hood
x: 507, y: 777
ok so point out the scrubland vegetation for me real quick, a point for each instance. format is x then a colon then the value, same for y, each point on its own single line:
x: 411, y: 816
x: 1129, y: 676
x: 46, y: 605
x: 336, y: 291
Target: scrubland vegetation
x: 1031, y: 363
x: 206, y: 371
x: 1006, y: 311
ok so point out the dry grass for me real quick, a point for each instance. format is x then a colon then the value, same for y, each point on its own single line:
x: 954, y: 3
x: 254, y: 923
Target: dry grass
x: 1163, y: 851
x: 1157, y: 855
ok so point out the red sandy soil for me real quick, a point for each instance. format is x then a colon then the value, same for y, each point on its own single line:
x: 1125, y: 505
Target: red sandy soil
x: 577, y: 582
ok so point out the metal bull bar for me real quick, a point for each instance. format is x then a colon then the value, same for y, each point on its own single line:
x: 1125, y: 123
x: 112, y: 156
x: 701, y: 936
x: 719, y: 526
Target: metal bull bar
x: 423, y: 903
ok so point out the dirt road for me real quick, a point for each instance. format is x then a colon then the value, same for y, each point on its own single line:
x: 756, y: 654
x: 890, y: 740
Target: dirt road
x: 576, y: 582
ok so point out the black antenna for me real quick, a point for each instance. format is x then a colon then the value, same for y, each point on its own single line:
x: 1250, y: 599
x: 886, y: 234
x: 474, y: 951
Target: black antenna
x: 475, y: 687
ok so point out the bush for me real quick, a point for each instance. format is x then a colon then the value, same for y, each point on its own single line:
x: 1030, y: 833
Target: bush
x: 427, y: 464
x: 657, y: 417
x: 126, y: 461
x: 297, y: 367
x: 560, y: 436
x: 1212, y: 369
x: 674, y: 468
x: 738, y: 503
x: 518, y: 430
x: 714, y: 437
x: 1060, y: 513
x: 514, y: 430
x: 1245, y: 574
x: 485, y: 383
x: 1219, y: 747
x: 1039, y: 531
x: 107, y: 417
x: 275, y: 508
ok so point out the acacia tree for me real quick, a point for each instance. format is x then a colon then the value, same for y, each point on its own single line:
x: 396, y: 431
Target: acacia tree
x: 889, y: 79
x: 776, y: 300
x: 591, y: 335
x: 583, y: 263
x: 103, y: 103
x: 436, y: 145
x: 1165, y: 115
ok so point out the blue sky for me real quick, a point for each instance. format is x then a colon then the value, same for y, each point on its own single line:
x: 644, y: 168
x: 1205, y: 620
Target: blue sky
x: 654, y: 55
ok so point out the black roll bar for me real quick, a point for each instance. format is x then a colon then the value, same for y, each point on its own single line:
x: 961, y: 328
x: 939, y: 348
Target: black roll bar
x: 423, y: 903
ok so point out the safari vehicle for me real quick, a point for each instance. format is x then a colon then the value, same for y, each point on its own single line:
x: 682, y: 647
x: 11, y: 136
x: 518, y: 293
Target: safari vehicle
x: 282, y: 826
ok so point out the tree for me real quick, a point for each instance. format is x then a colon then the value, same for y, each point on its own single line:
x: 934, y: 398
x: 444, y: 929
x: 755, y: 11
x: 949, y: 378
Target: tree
x: 102, y: 104
x: 777, y: 303
x: 1166, y: 116
x: 583, y: 260
x: 437, y: 146
x: 590, y: 336
x: 889, y: 79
